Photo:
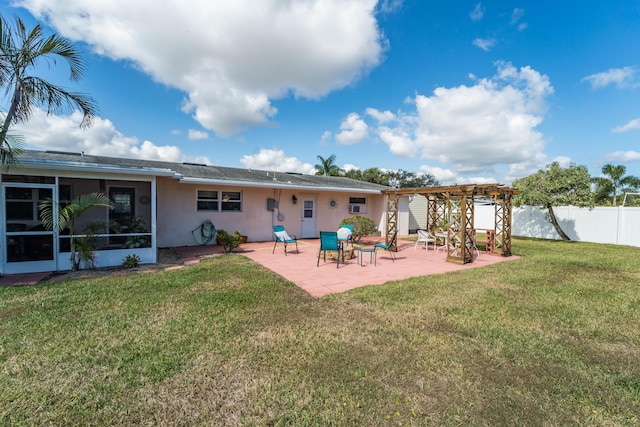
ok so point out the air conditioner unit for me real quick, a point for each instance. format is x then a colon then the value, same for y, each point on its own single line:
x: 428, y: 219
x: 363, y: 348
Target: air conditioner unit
x: 354, y: 208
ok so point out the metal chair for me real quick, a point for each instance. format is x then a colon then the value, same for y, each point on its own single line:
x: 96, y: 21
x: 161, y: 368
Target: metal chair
x: 281, y: 235
x: 426, y: 237
x: 329, y: 242
x: 390, y: 244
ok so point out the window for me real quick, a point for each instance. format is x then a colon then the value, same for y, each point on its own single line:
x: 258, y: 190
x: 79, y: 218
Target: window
x: 207, y: 200
x: 231, y: 201
x: 123, y: 204
x: 219, y: 201
x: 64, y: 194
x: 357, y: 205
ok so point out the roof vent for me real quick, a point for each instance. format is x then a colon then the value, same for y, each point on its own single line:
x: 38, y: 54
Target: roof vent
x: 193, y: 164
x: 69, y: 153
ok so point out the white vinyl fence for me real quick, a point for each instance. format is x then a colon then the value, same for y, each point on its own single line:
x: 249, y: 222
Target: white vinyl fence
x: 616, y: 225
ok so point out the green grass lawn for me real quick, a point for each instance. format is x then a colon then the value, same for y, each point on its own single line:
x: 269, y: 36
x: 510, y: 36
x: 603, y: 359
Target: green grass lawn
x: 550, y: 339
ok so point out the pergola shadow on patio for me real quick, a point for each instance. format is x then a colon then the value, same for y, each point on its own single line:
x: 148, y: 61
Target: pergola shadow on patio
x: 450, y: 211
x: 300, y: 268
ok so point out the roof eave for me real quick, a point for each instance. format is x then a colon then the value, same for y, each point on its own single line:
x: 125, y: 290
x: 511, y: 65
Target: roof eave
x: 276, y: 184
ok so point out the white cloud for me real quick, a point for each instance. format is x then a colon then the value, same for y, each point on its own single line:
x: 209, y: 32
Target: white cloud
x: 484, y: 44
x: 620, y: 77
x: 326, y: 135
x: 50, y: 132
x: 231, y: 58
x: 353, y: 130
x: 516, y: 15
x: 444, y: 176
x: 564, y: 161
x: 621, y: 157
x: 388, y: 6
x: 197, y: 135
x: 348, y: 167
x: 276, y: 160
x: 477, y: 13
x: 631, y: 125
x: 381, y: 116
x: 399, y: 141
x: 477, y: 128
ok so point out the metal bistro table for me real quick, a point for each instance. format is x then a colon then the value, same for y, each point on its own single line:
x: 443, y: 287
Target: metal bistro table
x: 372, y: 255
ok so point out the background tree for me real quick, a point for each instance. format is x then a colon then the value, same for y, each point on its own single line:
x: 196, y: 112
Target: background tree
x: 20, y: 52
x: 555, y: 186
x: 376, y: 176
x: 404, y: 179
x: 614, y: 183
x: 54, y: 215
x: 327, y: 167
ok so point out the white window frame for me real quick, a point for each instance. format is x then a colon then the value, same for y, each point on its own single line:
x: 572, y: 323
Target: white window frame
x: 223, y: 200
x: 200, y: 197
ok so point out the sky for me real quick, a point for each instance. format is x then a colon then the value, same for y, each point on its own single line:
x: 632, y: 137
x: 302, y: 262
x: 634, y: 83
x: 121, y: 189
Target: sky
x: 467, y: 91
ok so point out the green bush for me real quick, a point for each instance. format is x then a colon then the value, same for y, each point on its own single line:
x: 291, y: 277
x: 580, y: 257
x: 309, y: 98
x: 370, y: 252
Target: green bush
x: 131, y: 261
x: 362, y: 226
x: 229, y: 241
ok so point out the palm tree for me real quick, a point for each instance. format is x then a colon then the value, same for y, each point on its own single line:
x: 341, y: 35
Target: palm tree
x: 327, y: 166
x: 53, y: 215
x: 20, y: 52
x: 614, y: 182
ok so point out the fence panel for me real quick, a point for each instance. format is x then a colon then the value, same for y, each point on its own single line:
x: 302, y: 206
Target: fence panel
x: 616, y: 225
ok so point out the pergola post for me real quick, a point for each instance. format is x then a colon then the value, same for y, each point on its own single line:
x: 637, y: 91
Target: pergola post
x: 392, y: 221
x: 503, y: 216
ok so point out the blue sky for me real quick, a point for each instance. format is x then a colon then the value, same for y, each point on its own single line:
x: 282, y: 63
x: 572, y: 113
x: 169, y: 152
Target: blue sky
x: 466, y: 91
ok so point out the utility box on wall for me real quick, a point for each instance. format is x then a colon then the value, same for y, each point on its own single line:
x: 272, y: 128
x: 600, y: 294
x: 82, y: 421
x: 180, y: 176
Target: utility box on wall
x: 271, y: 204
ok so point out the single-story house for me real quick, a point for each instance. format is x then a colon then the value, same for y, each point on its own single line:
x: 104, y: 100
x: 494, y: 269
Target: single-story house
x: 159, y: 204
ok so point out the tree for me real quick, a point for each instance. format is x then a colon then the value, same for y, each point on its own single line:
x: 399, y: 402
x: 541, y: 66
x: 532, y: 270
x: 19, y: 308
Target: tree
x: 375, y: 176
x: 404, y: 179
x: 20, y: 52
x: 68, y: 216
x: 555, y: 186
x: 327, y: 167
x: 614, y: 183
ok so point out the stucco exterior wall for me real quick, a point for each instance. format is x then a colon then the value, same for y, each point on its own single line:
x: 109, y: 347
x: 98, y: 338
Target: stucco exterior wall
x: 178, y: 216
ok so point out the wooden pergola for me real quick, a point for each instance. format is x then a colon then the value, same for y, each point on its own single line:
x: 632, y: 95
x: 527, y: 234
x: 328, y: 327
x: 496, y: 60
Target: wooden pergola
x: 450, y: 210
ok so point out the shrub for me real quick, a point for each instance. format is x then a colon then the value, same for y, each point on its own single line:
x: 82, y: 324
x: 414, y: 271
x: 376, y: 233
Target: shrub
x: 131, y: 261
x: 362, y: 226
x: 229, y: 241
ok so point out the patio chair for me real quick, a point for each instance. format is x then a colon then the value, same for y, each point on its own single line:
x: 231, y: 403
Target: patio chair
x: 426, y: 237
x: 281, y: 235
x: 387, y: 246
x: 329, y: 242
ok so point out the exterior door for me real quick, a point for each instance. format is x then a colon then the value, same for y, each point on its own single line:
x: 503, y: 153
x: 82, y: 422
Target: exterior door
x: 308, y: 227
x: 27, y: 247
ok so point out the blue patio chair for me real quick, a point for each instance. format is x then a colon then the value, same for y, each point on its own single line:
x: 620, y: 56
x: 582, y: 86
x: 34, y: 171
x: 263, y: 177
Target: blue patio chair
x: 281, y: 235
x: 329, y: 242
x: 391, y: 243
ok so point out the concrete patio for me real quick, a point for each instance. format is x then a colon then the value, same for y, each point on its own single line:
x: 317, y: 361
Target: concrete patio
x: 300, y: 267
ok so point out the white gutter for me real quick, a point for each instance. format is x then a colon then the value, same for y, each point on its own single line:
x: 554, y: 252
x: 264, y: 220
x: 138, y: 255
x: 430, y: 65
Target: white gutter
x: 275, y: 184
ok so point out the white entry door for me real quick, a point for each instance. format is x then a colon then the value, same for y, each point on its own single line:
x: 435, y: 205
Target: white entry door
x: 308, y: 227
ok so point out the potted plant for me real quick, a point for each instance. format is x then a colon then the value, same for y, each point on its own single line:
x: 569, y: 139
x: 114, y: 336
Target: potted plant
x: 229, y: 241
